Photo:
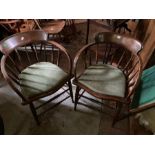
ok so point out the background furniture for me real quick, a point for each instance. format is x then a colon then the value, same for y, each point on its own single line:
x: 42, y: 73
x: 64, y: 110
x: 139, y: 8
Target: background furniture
x: 52, y: 27
x: 17, y: 25
x: 119, y: 25
x: 143, y: 103
x: 11, y: 26
x: 114, y: 25
x: 32, y: 66
x: 70, y: 27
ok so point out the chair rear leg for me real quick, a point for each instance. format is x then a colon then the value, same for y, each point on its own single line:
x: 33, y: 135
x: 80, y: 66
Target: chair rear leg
x: 76, y: 97
x: 70, y: 89
x: 130, y: 122
x: 34, y: 113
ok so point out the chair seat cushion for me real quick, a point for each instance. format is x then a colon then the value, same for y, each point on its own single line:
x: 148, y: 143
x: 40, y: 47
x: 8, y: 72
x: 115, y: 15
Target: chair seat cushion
x: 40, y: 77
x: 104, y: 79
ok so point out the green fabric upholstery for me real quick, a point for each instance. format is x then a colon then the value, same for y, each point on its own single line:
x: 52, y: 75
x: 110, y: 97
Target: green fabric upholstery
x: 104, y: 79
x: 40, y: 77
x: 145, y: 93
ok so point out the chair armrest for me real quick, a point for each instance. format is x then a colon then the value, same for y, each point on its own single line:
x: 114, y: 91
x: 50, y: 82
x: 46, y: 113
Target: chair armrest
x: 7, y: 78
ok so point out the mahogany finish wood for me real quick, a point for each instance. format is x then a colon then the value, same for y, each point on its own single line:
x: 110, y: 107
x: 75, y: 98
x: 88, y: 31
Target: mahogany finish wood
x: 24, y: 49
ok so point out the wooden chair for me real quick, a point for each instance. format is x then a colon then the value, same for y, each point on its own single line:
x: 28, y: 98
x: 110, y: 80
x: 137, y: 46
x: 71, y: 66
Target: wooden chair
x: 108, y: 69
x: 32, y: 66
x: 52, y: 27
x: 11, y: 25
x: 17, y: 25
x: 119, y: 25
x: 27, y: 25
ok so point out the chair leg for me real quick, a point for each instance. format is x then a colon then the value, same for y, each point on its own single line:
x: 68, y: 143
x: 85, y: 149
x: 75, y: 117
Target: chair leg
x: 131, y: 125
x: 1, y: 126
x: 70, y: 89
x: 76, y: 97
x: 118, y: 110
x: 34, y: 113
x: 48, y: 36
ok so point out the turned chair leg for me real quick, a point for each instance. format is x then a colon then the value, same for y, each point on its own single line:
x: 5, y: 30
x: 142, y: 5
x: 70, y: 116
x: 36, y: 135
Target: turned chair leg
x: 70, y: 89
x: 76, y: 97
x: 34, y: 113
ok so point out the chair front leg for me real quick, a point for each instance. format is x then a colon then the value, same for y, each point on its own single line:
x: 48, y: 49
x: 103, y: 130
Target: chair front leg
x: 70, y: 89
x: 76, y: 97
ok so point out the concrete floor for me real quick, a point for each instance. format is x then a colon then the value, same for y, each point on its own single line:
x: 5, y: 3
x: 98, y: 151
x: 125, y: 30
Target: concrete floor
x: 63, y: 119
x: 59, y: 121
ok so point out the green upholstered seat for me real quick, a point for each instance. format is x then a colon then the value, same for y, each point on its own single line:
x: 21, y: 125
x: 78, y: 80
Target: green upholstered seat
x: 40, y: 77
x: 104, y: 79
x: 145, y: 93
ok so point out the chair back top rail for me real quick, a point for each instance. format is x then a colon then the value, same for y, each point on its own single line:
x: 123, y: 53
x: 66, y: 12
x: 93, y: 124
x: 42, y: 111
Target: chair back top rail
x: 10, y: 43
x: 129, y: 43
